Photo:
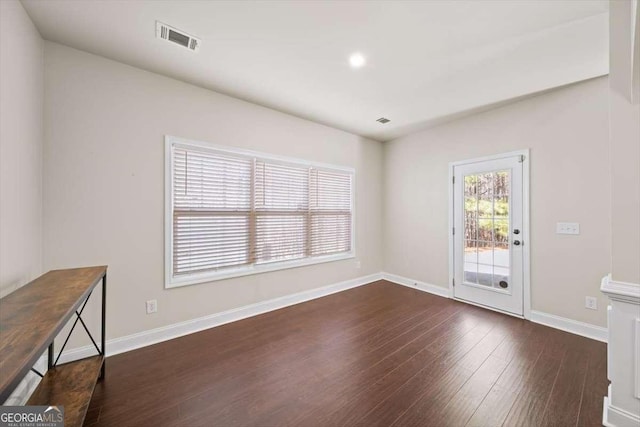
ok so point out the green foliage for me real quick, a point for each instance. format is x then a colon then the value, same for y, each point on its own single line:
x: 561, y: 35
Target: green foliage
x: 487, y: 206
x: 498, y: 208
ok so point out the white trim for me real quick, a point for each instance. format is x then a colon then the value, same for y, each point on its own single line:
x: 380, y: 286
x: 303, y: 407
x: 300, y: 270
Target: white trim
x: 415, y: 284
x: 613, y: 416
x: 164, y: 333
x: 609, y: 356
x: 523, y: 152
x: 620, y: 291
x: 452, y: 271
x: 637, y: 358
x: 526, y: 248
x: 168, y: 212
x: 192, y: 279
x: 569, y: 325
x: 526, y: 232
x: 635, y: 51
x: 623, y: 367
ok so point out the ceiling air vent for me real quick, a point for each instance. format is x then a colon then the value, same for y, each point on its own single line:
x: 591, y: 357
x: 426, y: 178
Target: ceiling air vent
x: 383, y: 120
x: 170, y: 34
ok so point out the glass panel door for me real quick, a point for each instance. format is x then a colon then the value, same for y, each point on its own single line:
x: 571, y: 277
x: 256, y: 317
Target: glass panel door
x: 488, y: 242
x: 486, y: 229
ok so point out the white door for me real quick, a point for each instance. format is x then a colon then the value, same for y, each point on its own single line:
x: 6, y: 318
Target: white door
x: 488, y: 237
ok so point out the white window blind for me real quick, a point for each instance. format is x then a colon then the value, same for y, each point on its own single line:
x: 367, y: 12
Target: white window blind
x: 330, y: 208
x: 281, y: 208
x: 245, y: 212
x: 211, y: 210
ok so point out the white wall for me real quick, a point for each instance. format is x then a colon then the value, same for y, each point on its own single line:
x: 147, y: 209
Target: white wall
x: 104, y: 184
x: 622, y: 404
x: 21, y: 134
x: 624, y: 105
x: 567, y: 133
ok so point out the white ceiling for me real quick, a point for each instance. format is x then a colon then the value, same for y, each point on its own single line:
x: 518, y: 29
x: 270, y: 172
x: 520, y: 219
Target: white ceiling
x: 426, y: 61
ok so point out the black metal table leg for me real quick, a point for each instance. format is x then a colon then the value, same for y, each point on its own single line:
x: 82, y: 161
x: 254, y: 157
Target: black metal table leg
x: 104, y: 313
x: 50, y: 356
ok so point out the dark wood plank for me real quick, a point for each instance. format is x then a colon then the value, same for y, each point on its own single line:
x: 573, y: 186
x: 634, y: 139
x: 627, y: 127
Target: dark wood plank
x: 465, y: 402
x: 375, y: 355
x: 332, y: 396
x: 434, y: 368
x: 450, y: 373
x: 531, y: 403
x: 34, y: 314
x: 70, y: 385
x: 188, y: 363
x: 215, y: 374
x: 357, y: 404
x: 595, y: 386
x: 93, y: 413
x: 323, y: 372
x: 563, y: 406
x: 522, y: 353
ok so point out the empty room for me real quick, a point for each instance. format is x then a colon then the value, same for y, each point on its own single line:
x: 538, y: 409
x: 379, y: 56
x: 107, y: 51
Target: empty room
x: 319, y: 213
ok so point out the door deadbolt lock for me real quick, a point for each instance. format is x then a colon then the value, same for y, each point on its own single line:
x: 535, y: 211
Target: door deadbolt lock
x: 516, y: 231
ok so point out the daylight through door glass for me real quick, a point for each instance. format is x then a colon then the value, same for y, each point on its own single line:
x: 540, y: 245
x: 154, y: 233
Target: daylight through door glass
x: 486, y: 229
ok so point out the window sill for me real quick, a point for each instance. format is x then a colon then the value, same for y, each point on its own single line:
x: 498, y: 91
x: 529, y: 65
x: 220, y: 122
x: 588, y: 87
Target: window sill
x: 172, y: 282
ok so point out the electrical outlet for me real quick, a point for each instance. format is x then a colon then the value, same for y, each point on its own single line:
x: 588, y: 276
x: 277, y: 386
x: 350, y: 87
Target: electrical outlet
x: 358, y: 264
x: 152, y: 306
x: 591, y: 303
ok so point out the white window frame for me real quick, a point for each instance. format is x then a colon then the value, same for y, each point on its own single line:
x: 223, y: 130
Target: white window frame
x: 227, y: 273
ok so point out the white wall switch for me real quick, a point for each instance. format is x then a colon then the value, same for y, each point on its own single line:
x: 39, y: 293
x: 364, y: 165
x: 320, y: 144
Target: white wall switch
x: 591, y: 303
x: 152, y: 306
x: 567, y: 228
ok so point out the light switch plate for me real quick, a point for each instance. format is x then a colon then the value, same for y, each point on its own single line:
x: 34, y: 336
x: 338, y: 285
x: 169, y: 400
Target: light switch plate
x: 567, y: 228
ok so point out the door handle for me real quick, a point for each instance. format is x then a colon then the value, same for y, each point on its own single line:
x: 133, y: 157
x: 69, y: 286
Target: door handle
x: 516, y: 242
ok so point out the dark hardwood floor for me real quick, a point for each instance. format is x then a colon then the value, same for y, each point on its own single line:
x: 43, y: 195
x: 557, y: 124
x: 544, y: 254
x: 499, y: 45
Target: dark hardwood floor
x: 378, y: 355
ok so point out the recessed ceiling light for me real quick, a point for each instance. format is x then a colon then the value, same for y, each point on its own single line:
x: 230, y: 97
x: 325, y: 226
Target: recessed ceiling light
x: 357, y: 60
x: 383, y: 120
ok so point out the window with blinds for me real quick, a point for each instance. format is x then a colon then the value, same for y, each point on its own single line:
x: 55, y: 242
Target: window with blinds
x: 234, y: 213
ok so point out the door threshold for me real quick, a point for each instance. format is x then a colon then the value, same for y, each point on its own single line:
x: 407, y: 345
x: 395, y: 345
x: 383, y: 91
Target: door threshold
x: 497, y: 310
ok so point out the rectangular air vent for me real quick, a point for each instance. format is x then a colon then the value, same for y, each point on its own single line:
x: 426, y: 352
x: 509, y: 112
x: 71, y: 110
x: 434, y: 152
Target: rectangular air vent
x: 173, y: 35
x: 383, y: 120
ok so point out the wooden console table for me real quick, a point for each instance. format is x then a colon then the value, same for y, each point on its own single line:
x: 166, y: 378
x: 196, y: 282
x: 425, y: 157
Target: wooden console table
x: 31, y: 318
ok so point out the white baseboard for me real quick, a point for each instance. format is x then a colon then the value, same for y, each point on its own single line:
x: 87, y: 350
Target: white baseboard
x: 569, y: 325
x: 164, y: 333
x: 616, y: 417
x: 415, y: 284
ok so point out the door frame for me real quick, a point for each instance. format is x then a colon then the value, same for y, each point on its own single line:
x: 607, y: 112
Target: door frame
x: 526, y: 234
